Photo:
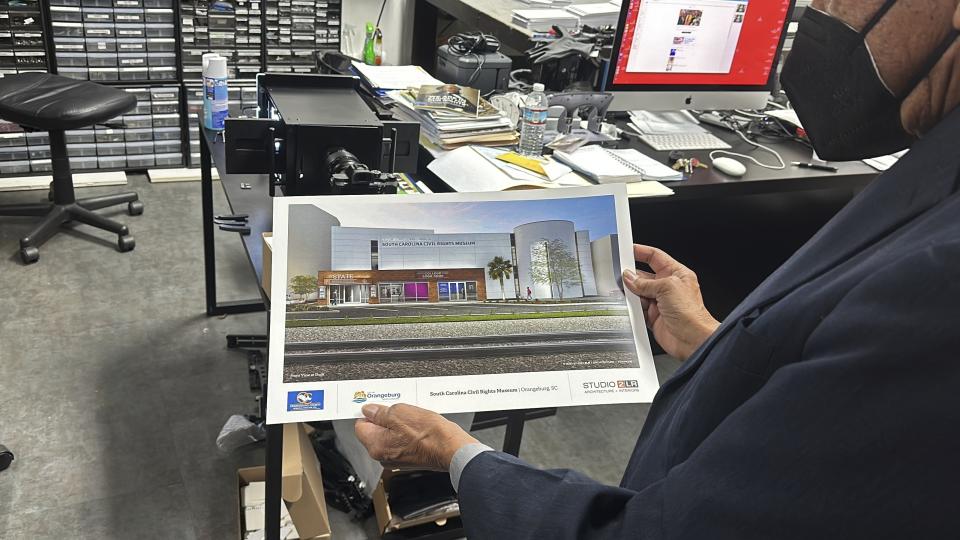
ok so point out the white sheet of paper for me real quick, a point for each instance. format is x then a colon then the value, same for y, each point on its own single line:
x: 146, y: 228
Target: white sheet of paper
x: 467, y: 171
x: 389, y: 300
x: 395, y: 77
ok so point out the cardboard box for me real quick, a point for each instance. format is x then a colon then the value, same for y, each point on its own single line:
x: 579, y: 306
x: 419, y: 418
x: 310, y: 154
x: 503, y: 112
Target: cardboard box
x: 426, y: 526
x: 302, y: 486
x: 245, y: 477
x: 267, y: 255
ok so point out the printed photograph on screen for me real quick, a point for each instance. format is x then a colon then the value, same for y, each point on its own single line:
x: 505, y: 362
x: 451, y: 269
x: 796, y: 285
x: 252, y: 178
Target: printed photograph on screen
x: 454, y: 288
x: 690, y: 17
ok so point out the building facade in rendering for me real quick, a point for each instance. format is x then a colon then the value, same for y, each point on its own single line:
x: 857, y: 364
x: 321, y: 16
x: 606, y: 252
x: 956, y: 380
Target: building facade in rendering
x: 360, y: 265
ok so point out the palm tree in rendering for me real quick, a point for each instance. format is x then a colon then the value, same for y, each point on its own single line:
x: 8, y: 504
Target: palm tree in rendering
x: 500, y: 269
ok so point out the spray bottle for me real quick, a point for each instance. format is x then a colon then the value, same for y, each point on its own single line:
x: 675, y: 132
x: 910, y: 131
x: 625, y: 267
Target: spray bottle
x: 215, y: 99
x: 204, y: 61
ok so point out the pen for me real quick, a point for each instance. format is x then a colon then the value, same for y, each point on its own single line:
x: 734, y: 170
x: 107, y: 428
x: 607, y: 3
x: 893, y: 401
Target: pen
x: 814, y: 166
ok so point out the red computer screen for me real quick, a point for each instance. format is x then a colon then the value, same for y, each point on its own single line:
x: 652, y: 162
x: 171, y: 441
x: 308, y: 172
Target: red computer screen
x: 700, y: 42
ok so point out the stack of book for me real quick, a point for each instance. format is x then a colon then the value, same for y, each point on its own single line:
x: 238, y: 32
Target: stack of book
x: 451, y: 116
x: 547, y: 3
x: 541, y: 20
x: 596, y: 15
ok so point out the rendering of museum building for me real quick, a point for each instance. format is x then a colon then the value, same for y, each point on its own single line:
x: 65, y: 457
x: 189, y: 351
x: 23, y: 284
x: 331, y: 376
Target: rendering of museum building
x: 545, y: 260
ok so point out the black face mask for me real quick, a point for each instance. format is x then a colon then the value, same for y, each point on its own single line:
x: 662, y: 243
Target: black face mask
x: 833, y: 84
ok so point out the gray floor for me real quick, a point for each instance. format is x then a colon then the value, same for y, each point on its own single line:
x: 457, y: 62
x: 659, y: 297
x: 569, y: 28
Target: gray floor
x: 114, y: 385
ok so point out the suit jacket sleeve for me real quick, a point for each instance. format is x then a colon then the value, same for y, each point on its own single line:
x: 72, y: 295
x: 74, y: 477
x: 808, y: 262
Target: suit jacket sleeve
x: 855, y: 439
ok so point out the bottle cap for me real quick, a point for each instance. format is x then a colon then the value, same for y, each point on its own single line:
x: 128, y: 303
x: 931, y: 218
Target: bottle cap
x: 538, y: 87
x: 216, y: 68
x: 205, y: 59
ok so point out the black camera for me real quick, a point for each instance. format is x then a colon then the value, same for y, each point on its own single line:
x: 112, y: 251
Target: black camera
x: 318, y: 135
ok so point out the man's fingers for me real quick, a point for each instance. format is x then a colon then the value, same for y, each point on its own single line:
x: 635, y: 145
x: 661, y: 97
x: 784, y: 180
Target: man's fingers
x: 649, y: 288
x: 376, y: 414
x: 371, y: 436
x: 658, y: 259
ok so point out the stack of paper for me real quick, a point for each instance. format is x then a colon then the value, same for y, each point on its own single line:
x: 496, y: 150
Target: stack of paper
x: 393, y: 77
x: 450, y: 129
x: 603, y: 14
x: 471, y: 169
x: 547, y: 3
x: 541, y: 20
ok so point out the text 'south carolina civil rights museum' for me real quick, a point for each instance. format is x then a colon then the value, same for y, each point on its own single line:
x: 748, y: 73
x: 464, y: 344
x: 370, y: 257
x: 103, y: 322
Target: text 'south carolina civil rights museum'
x: 359, y: 265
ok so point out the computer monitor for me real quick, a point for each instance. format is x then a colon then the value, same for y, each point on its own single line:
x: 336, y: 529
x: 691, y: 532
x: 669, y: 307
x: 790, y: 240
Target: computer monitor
x: 696, y: 54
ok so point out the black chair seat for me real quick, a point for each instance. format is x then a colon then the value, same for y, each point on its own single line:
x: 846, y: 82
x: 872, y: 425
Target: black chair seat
x: 50, y: 102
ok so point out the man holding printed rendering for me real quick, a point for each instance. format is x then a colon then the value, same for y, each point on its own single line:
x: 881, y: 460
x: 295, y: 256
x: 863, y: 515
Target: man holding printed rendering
x: 827, y: 404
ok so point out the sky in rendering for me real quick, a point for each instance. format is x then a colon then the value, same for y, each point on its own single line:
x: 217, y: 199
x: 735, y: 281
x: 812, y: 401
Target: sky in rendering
x: 595, y: 214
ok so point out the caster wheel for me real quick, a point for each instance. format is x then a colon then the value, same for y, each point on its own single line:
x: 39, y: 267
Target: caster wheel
x: 135, y: 208
x: 29, y: 255
x: 126, y: 243
x: 6, y: 457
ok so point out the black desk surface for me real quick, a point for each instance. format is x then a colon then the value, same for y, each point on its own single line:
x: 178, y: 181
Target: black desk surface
x: 255, y: 202
x: 713, y: 183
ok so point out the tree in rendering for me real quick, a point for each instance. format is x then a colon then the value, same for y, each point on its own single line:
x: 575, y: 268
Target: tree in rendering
x: 500, y: 269
x: 303, y: 285
x: 553, y: 264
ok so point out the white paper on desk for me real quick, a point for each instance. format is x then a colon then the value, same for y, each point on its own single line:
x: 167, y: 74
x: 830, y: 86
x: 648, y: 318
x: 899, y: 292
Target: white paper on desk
x: 555, y: 170
x: 417, y: 319
x: 665, y: 123
x: 883, y: 163
x: 467, y: 171
x: 395, y: 77
x: 787, y: 115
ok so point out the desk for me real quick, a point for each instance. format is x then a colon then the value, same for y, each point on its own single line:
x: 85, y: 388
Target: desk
x: 734, y: 232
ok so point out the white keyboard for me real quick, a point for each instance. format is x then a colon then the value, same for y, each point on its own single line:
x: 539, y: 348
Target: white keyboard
x: 684, y: 141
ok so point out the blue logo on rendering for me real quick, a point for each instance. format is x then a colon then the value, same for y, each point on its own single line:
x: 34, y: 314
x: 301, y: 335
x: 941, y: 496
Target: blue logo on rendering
x: 305, y: 400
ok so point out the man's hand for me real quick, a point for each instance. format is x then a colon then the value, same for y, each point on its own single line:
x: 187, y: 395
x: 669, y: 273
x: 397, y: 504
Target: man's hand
x: 404, y: 435
x: 671, y: 301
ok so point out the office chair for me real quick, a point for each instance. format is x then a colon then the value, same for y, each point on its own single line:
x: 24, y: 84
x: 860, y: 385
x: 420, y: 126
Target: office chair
x: 45, y: 102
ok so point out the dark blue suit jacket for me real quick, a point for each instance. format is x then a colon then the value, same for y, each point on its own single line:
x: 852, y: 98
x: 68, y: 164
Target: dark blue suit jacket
x: 827, y: 405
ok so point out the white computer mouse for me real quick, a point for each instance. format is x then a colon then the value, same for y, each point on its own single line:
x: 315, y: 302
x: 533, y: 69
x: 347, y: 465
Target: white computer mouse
x: 729, y: 166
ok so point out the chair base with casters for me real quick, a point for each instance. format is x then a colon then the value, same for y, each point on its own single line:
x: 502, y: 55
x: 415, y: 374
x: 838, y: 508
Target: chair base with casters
x: 64, y: 104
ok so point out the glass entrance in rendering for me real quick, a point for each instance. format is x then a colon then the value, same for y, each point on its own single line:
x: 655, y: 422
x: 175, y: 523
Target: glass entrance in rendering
x: 411, y: 291
x: 457, y: 291
x: 349, y: 294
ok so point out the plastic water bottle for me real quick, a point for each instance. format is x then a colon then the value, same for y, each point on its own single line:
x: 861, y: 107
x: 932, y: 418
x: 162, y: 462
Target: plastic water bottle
x: 215, y: 104
x: 534, y: 121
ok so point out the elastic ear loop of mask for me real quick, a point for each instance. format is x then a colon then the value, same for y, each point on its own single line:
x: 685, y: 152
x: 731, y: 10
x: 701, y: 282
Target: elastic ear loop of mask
x: 932, y: 60
x: 876, y: 17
